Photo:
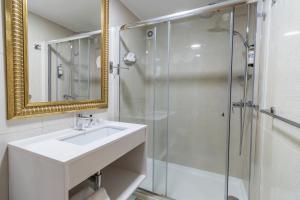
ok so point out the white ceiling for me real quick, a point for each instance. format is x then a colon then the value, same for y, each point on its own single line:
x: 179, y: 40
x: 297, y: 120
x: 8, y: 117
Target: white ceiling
x: 76, y: 15
x: 81, y: 15
x: 146, y: 9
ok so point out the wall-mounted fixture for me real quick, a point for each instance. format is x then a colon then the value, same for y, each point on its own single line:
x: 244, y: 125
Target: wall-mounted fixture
x: 130, y: 58
x: 37, y: 46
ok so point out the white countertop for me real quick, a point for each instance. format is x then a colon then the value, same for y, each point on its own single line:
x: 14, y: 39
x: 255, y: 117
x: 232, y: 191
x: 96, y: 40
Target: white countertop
x: 51, y: 146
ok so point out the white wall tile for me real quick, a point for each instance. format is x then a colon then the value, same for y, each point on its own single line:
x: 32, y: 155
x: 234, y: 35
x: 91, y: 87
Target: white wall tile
x: 278, y: 144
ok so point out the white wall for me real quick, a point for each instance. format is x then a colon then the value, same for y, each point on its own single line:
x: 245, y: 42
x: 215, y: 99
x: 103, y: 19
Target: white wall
x: 119, y: 14
x: 18, y: 129
x: 278, y: 144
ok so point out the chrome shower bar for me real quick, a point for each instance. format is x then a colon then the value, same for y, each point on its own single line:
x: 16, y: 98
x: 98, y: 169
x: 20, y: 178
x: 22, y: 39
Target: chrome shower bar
x: 188, y: 13
x: 75, y: 37
x: 271, y: 112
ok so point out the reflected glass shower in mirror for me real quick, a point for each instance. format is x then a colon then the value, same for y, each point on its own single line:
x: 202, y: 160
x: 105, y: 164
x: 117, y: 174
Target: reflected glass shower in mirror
x: 64, y: 50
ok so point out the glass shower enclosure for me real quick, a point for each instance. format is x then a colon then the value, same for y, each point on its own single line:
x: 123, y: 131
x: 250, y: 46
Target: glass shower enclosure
x: 73, y: 72
x: 187, y: 74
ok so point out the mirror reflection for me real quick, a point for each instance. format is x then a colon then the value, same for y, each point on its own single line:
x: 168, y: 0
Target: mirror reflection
x: 64, y: 48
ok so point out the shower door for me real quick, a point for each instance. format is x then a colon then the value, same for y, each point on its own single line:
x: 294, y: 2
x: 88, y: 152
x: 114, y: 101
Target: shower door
x: 144, y: 95
x: 242, y: 126
x: 180, y: 86
x: 200, y: 62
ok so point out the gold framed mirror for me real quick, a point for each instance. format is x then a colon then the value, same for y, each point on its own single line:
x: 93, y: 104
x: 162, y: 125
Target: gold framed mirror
x: 73, y: 61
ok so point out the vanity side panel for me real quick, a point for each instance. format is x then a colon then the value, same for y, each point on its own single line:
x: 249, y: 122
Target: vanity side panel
x: 35, y: 178
x: 102, y: 157
x: 134, y: 160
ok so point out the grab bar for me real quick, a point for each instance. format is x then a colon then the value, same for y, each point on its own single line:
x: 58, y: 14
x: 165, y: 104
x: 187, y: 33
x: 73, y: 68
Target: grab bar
x: 271, y: 112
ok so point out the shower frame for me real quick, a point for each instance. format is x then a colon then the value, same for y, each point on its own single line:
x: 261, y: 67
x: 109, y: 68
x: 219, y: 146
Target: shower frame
x: 230, y: 4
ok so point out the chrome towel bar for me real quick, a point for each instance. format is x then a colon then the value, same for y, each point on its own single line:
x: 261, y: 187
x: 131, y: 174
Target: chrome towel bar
x: 271, y: 112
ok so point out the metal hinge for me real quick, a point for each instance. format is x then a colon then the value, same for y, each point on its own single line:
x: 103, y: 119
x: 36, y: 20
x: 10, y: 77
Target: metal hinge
x: 263, y: 15
x: 111, y: 67
x: 118, y: 69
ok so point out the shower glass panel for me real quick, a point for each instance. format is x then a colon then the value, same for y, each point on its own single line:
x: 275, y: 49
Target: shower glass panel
x: 180, y: 87
x: 199, y: 67
x: 144, y: 95
x: 80, y: 71
x: 73, y: 70
x: 62, y: 58
x: 240, y: 148
x: 160, y: 114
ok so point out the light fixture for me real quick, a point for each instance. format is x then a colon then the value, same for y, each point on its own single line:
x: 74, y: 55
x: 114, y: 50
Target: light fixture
x: 198, y: 55
x: 292, y: 33
x: 195, y: 46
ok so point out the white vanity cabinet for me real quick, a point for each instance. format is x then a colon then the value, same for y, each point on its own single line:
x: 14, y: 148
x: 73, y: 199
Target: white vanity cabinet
x: 47, y: 167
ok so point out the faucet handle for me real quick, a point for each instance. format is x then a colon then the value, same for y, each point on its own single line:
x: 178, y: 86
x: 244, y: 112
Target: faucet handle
x: 93, y: 121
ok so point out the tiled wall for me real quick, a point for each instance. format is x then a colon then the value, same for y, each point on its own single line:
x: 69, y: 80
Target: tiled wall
x: 278, y: 144
x: 18, y: 129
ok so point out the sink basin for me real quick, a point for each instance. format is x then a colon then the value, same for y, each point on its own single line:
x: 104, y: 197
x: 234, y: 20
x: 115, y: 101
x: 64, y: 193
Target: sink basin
x: 91, y: 136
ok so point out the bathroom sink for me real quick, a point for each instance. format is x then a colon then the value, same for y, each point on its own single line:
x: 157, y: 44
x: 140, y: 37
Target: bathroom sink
x: 91, y: 136
x: 68, y: 157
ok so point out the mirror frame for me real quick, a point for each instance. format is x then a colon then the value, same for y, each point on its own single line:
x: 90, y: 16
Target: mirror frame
x: 18, y: 106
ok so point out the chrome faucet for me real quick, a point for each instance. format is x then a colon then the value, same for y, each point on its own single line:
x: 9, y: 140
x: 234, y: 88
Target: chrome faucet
x: 82, y: 122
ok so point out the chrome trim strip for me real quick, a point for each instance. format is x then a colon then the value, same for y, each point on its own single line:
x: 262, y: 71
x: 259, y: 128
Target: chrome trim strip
x: 75, y: 37
x: 188, y: 13
x: 228, y: 131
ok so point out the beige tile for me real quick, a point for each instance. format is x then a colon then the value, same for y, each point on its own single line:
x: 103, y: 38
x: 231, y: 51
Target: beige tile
x: 281, y: 168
